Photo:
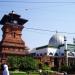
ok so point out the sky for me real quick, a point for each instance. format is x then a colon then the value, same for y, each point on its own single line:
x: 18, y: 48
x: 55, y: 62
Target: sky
x: 51, y: 15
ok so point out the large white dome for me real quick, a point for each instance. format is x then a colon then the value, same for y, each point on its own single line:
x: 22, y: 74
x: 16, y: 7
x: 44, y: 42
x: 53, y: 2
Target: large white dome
x: 56, y: 40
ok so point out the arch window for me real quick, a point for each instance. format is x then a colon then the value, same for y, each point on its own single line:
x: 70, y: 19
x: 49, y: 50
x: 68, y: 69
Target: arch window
x: 70, y: 54
x: 40, y: 54
x: 45, y: 53
x: 50, y: 53
x: 62, y: 54
x: 37, y: 54
x: 56, y: 54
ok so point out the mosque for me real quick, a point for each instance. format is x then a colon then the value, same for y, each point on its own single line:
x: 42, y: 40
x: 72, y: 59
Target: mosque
x: 57, y: 53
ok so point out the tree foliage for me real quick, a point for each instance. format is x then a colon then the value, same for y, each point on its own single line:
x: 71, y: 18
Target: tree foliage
x: 22, y: 63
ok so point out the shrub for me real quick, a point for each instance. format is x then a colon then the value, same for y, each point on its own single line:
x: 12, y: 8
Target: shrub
x: 54, y: 68
x: 65, y: 68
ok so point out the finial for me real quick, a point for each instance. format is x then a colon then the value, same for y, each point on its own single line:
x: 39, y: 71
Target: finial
x: 13, y: 12
x: 56, y: 31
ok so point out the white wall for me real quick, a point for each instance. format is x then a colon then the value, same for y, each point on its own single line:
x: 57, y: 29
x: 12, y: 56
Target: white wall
x: 39, y: 51
x: 52, y: 50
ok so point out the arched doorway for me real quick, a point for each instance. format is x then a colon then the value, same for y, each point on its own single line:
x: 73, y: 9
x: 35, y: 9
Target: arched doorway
x: 56, y: 62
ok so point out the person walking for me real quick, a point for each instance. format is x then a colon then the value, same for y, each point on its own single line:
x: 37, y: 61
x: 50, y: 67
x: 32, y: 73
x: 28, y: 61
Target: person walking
x: 5, y: 70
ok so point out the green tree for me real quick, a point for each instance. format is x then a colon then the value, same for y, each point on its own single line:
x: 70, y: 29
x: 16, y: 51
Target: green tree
x: 13, y: 62
x: 22, y: 63
x: 28, y: 63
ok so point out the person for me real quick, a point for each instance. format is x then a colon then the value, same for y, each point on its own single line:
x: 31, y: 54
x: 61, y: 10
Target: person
x: 5, y: 70
x: 65, y: 73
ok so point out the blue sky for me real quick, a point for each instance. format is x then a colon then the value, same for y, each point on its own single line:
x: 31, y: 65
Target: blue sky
x: 49, y: 16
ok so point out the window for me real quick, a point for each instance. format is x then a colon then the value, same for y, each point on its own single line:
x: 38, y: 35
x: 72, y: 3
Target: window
x: 33, y: 54
x: 62, y: 54
x: 37, y: 54
x: 14, y: 34
x: 70, y: 54
x: 56, y: 54
x: 50, y: 53
x: 45, y: 53
x: 40, y: 54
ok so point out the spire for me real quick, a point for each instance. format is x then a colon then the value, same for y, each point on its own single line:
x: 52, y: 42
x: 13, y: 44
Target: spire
x: 65, y: 51
x: 74, y: 40
x: 56, y: 32
x: 65, y: 41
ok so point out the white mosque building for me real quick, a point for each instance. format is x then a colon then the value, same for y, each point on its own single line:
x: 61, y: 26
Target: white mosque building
x: 56, y: 53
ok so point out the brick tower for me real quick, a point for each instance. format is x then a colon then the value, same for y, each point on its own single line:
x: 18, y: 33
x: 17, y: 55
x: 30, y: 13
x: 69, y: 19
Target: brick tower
x: 12, y: 43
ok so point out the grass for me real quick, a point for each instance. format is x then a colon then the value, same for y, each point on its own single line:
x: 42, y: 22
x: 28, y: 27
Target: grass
x: 24, y: 73
x: 28, y: 73
x: 18, y: 74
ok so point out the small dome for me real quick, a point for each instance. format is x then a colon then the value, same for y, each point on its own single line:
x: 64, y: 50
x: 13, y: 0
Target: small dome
x: 56, y: 40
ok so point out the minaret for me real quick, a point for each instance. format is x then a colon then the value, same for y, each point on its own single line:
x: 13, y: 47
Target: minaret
x: 65, y: 52
x: 12, y: 43
x: 73, y: 40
